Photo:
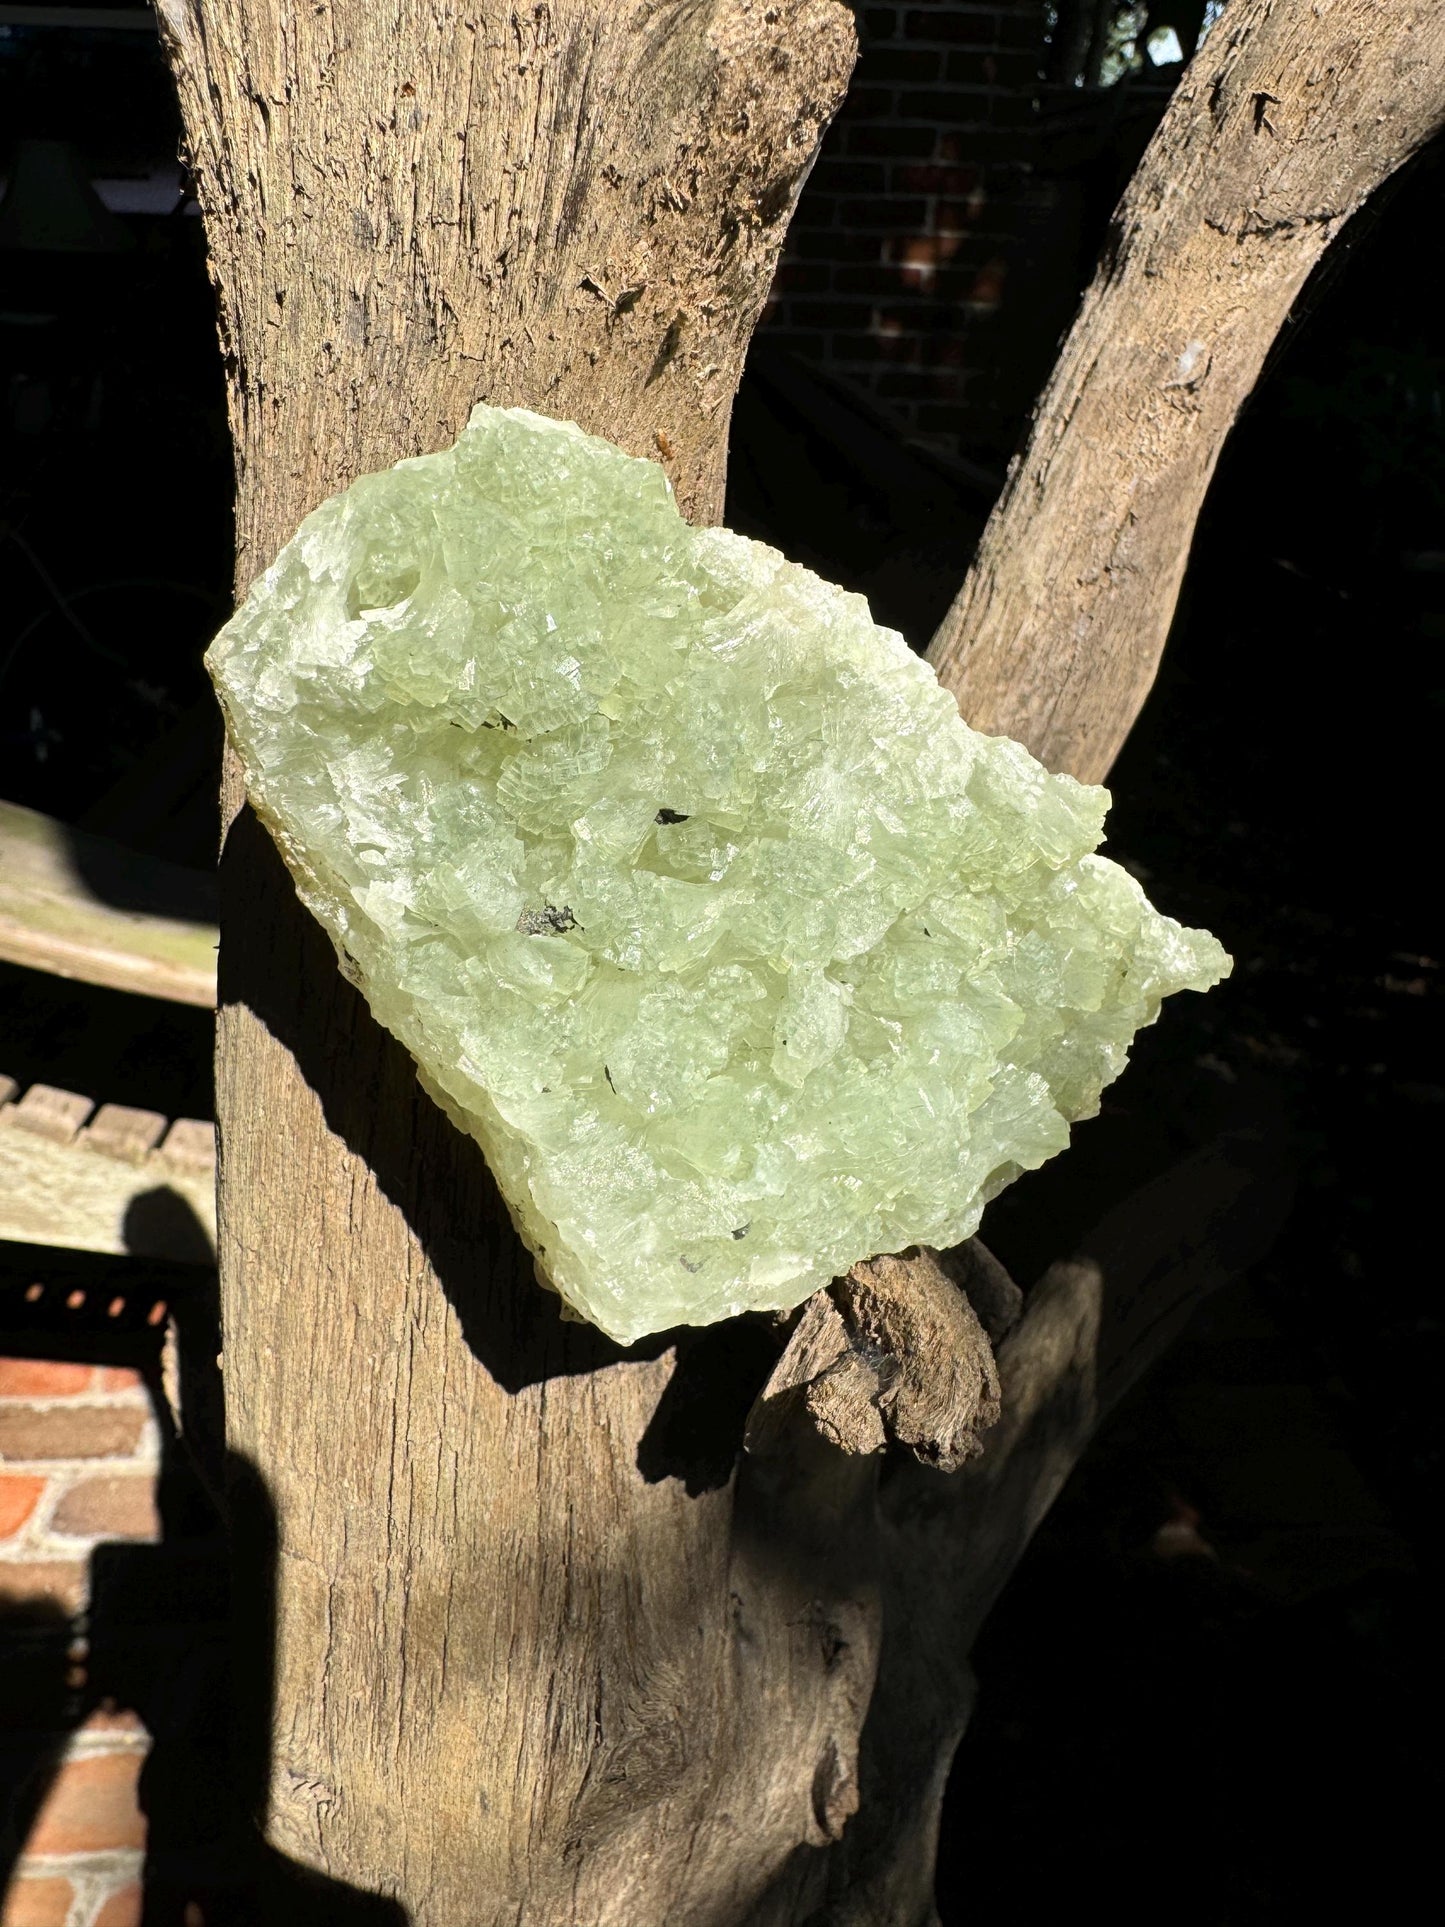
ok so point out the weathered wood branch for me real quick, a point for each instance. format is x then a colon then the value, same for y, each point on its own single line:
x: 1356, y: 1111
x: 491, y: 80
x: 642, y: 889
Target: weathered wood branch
x: 1092, y: 1325
x: 537, y: 1658
x: 575, y: 207
x: 517, y: 1676
x: 1287, y: 119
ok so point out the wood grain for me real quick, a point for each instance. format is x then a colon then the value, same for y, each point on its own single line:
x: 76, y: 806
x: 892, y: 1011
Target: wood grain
x: 546, y: 1653
x: 1288, y: 118
x: 892, y: 1353
x: 517, y: 1676
x: 1091, y: 1326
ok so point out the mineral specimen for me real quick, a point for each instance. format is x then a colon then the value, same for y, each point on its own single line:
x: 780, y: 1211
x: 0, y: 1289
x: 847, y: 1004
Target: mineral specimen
x: 695, y: 901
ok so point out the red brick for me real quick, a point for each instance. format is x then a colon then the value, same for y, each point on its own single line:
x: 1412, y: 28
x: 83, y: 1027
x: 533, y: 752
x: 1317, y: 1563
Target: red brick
x: 69, y: 1431
x: 796, y: 277
x: 118, y: 1505
x: 872, y: 349
x: 119, y: 1378
x: 976, y: 28
x: 908, y: 64
x: 949, y: 353
x: 43, y: 1378
x: 868, y: 103
x: 988, y: 284
x: 874, y: 278
x: 1016, y: 69
x: 960, y: 107
x: 19, y: 1494
x: 897, y: 349
x: 883, y: 212
x: 42, y: 1585
x: 837, y: 246
x: 36, y: 1901
x: 977, y: 141
x: 892, y: 141
x: 90, y: 1807
x: 122, y: 1908
x: 901, y: 317
x: 847, y: 177
x: 915, y: 177
x: 955, y: 217
x: 879, y: 23
x: 845, y: 315
x: 919, y: 259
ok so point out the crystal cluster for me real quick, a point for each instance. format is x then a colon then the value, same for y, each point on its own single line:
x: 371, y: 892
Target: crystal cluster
x: 695, y: 901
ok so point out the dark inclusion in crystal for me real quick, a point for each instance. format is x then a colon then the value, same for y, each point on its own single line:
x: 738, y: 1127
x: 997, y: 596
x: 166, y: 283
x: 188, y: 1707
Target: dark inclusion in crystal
x: 859, y: 971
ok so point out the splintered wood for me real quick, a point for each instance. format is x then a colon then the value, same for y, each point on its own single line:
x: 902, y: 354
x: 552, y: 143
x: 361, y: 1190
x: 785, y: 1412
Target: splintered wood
x: 893, y: 1353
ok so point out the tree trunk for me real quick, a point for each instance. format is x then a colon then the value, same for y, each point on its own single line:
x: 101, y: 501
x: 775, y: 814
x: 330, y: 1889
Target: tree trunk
x: 546, y: 1651
x: 538, y: 1657
x: 1286, y: 121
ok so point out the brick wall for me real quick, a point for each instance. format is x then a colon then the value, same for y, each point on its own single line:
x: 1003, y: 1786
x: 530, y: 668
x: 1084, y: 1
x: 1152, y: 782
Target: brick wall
x: 79, y: 1451
x: 899, y: 259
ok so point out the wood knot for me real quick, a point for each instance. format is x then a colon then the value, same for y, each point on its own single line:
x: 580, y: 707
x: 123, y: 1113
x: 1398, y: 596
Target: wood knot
x: 894, y: 1353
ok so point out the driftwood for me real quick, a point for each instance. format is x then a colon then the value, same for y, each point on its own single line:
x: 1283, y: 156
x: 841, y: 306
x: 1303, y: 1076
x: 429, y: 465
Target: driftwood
x: 948, y: 1542
x: 548, y: 1649
x: 515, y: 1677
x: 1287, y: 119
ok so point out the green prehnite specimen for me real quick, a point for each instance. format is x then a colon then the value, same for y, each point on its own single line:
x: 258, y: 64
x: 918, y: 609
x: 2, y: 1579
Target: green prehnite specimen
x: 695, y: 901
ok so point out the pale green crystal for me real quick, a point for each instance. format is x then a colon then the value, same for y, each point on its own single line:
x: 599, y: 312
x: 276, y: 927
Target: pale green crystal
x: 695, y: 901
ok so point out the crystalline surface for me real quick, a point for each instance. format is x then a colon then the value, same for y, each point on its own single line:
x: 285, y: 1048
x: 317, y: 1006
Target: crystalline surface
x: 695, y: 901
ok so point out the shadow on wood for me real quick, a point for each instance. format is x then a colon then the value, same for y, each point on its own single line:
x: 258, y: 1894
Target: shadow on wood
x: 159, y: 1621
x: 436, y: 1176
x: 369, y: 1093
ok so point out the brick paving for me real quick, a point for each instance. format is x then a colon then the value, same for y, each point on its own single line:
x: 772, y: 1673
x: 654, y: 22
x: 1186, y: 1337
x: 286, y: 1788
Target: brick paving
x: 79, y: 1451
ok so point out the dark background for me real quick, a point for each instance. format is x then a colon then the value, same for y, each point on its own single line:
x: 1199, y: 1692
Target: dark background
x: 1209, y: 1692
